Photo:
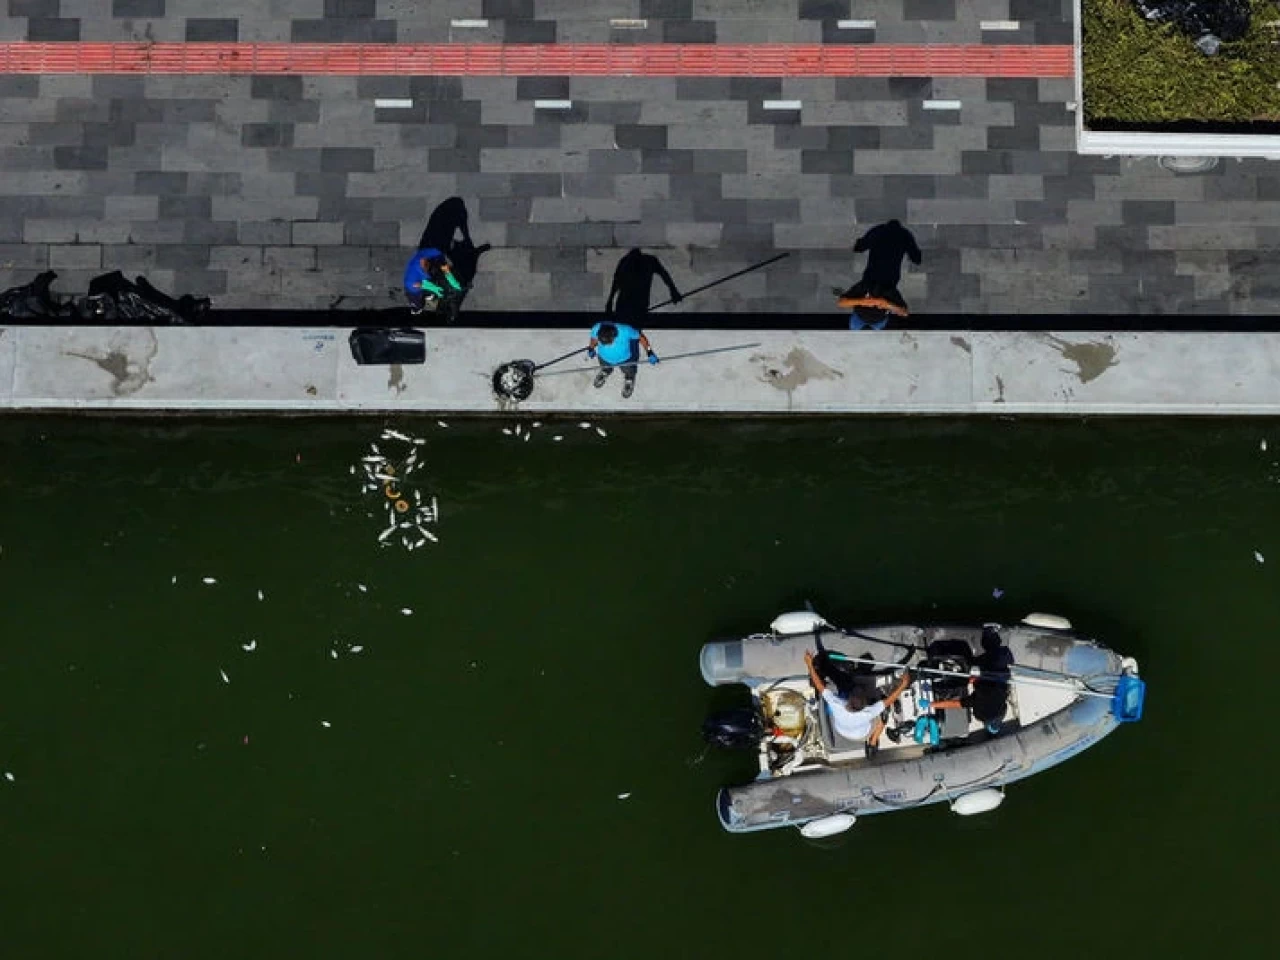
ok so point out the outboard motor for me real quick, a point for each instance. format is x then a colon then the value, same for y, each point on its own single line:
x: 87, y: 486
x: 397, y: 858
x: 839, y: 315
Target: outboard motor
x: 740, y: 729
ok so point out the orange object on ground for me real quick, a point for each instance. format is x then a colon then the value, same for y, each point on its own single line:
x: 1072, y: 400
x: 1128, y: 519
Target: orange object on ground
x: 878, y: 303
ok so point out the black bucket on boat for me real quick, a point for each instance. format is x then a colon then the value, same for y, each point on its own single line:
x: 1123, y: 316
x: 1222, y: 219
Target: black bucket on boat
x: 740, y: 729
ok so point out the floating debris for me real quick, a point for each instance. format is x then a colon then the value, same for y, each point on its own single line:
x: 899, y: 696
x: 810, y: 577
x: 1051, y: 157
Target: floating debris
x: 584, y: 425
x: 389, y: 475
x: 356, y: 649
x: 333, y: 654
x: 1262, y: 445
x: 439, y: 423
x: 407, y: 611
x: 557, y: 438
x: 8, y: 776
x: 600, y: 430
x: 325, y: 723
x: 362, y: 588
x: 997, y: 593
x: 173, y: 579
x: 623, y: 796
x: 261, y: 595
x: 506, y: 431
x: 210, y: 580
x: 528, y: 437
x: 537, y: 424
x: 223, y: 674
x: 1257, y: 555
x: 249, y: 647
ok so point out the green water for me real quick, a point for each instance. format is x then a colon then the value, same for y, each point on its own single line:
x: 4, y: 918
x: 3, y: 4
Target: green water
x: 463, y: 801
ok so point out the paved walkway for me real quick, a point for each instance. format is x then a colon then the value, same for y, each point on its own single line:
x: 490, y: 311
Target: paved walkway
x: 277, y: 190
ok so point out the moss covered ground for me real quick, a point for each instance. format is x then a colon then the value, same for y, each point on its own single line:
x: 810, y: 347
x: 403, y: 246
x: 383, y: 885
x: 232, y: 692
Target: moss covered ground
x: 1137, y: 72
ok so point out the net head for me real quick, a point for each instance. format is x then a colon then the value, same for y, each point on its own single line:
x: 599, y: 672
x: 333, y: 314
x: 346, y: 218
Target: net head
x: 514, y: 380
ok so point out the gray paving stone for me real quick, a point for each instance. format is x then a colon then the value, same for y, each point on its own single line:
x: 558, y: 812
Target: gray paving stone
x: 237, y: 165
x: 205, y: 30
x: 317, y: 233
x: 53, y: 30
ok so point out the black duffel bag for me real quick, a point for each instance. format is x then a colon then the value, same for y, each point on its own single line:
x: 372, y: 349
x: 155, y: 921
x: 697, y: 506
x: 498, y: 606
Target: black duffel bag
x: 385, y: 345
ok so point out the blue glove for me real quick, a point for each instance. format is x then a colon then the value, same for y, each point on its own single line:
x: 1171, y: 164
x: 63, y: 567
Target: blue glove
x: 653, y: 358
x: 591, y: 353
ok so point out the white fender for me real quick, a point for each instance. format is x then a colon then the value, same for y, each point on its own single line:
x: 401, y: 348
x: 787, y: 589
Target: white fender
x: 796, y: 622
x: 980, y: 801
x: 1047, y: 620
x: 828, y: 826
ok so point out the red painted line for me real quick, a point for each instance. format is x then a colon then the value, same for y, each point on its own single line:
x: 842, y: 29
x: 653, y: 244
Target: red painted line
x: 506, y: 60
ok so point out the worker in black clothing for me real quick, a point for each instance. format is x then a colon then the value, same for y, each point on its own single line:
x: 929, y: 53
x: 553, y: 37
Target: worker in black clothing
x: 875, y: 297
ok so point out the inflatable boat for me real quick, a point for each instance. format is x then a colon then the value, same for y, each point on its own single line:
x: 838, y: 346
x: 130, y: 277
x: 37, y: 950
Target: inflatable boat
x: 971, y: 709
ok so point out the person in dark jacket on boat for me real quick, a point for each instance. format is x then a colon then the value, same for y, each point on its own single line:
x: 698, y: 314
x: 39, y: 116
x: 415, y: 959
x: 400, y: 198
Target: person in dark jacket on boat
x: 855, y: 718
x: 988, y: 695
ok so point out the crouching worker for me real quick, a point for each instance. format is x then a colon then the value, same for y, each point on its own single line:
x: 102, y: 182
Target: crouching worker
x: 429, y: 281
x: 855, y: 718
x: 618, y: 345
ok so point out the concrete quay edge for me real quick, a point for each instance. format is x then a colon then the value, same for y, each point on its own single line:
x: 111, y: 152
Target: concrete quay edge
x: 311, y: 371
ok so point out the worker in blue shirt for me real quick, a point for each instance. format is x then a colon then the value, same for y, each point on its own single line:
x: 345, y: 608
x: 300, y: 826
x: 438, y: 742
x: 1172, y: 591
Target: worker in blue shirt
x: 618, y: 345
x: 429, y: 280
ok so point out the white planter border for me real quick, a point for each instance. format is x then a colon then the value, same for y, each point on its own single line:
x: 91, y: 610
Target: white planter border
x: 1139, y: 143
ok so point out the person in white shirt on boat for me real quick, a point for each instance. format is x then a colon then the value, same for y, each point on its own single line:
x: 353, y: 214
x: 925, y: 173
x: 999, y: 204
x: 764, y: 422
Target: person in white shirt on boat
x: 855, y: 718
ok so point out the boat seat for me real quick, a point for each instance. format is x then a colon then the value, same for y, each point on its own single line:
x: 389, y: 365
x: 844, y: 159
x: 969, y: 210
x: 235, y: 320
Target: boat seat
x: 954, y: 723
x: 833, y: 740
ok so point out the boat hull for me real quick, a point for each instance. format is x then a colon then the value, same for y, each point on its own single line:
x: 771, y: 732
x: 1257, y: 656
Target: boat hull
x: 887, y: 784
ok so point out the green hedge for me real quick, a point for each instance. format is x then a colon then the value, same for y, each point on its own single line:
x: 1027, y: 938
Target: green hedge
x: 1141, y: 72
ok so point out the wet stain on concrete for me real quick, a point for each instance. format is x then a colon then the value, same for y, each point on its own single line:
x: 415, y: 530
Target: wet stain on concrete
x: 395, y: 381
x: 1092, y: 359
x: 128, y: 375
x: 795, y: 370
x: 999, y: 390
x: 963, y: 344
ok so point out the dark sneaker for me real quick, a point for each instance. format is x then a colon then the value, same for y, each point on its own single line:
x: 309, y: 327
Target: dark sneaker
x: 602, y: 376
x: 628, y: 388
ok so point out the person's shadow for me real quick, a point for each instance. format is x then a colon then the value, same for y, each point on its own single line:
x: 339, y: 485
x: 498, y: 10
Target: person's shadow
x: 446, y: 222
x: 633, y: 285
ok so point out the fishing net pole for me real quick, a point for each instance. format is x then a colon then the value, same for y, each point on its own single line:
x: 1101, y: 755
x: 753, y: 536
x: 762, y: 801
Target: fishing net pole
x: 513, y: 381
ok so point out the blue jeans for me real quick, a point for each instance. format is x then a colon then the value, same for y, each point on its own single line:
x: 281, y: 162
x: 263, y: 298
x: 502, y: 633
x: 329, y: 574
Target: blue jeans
x: 630, y: 365
x: 857, y: 323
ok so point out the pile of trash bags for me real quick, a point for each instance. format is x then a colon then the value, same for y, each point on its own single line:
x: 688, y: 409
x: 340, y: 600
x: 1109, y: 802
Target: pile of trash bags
x: 1207, y: 22
x: 112, y: 299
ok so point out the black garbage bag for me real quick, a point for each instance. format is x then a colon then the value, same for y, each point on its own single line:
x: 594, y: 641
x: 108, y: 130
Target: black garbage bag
x: 114, y: 298
x: 35, y: 301
x: 1223, y: 19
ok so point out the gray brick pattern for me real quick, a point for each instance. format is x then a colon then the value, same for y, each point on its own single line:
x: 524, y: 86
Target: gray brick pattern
x: 538, y: 21
x: 295, y: 191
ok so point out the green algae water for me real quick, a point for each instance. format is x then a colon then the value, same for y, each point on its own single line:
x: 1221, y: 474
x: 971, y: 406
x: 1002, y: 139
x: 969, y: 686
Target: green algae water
x: 513, y: 769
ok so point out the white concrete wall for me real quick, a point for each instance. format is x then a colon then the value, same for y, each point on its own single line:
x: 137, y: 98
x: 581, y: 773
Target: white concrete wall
x: 247, y: 369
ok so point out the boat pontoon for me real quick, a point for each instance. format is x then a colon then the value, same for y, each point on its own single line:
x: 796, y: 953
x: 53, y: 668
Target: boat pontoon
x: 1057, y: 693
